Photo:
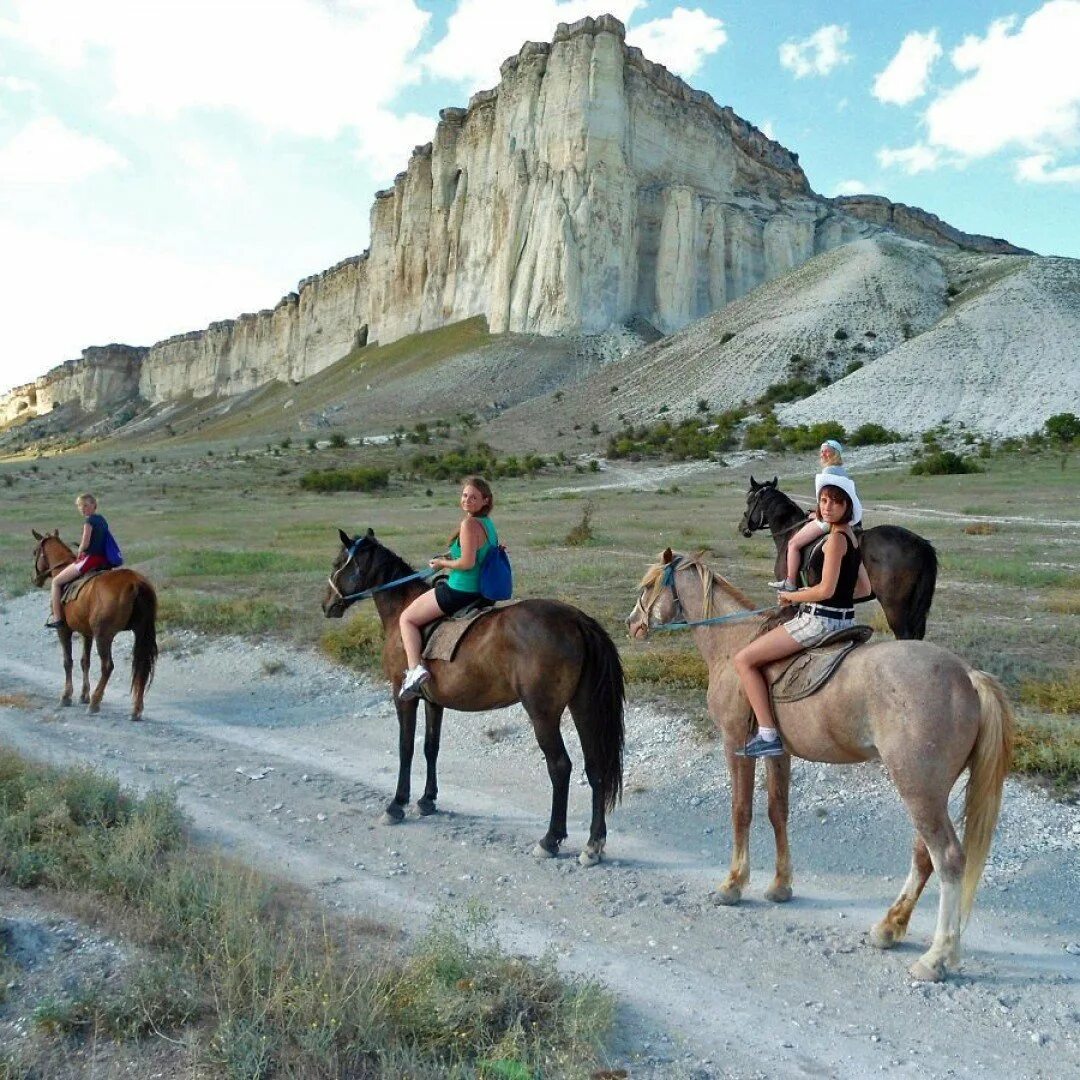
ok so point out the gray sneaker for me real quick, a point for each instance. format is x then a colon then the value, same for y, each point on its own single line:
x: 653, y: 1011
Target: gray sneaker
x: 414, y: 679
x: 784, y: 585
x: 759, y: 747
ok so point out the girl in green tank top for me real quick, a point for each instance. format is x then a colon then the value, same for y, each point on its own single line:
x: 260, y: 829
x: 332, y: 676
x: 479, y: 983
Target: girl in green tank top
x: 468, y: 548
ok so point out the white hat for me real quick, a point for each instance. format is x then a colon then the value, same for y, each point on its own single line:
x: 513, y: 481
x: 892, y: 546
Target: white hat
x: 846, y: 485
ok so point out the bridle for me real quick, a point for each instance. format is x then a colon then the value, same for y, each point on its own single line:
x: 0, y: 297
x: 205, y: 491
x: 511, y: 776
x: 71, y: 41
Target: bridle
x: 667, y: 581
x: 40, y: 576
x: 754, y: 518
x: 345, y: 598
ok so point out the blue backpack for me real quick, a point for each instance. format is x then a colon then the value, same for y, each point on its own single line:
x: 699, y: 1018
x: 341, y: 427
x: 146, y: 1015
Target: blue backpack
x: 496, y: 577
x: 112, y: 551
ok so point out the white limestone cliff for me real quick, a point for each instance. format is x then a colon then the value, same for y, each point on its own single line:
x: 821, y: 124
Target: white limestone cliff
x: 588, y: 188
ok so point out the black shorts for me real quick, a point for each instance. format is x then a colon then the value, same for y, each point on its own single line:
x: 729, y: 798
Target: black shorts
x: 450, y: 600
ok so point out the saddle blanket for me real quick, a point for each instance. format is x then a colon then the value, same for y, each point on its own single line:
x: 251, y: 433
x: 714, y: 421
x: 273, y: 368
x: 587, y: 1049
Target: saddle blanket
x: 801, y: 675
x: 446, y: 634
x: 75, y: 587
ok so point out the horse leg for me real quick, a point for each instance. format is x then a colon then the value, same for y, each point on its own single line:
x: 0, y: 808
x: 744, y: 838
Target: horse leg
x: 893, y: 927
x: 65, y: 648
x: 593, y: 851
x: 433, y: 715
x: 741, y: 771
x: 947, y: 857
x: 104, y: 648
x: 549, y: 737
x: 87, y: 641
x: 406, y: 712
x: 778, y: 775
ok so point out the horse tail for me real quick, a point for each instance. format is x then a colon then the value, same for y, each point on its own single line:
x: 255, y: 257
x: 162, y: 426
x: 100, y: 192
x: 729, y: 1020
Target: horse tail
x: 601, y: 692
x: 143, y: 623
x: 922, y: 594
x: 988, y: 765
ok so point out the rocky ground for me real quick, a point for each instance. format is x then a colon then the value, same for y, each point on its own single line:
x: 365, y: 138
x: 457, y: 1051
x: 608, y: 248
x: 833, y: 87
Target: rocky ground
x: 287, y: 761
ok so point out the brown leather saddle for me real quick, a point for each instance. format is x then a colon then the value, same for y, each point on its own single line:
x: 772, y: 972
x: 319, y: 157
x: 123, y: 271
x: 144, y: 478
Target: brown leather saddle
x: 73, y: 588
x: 796, y: 677
x: 442, y: 637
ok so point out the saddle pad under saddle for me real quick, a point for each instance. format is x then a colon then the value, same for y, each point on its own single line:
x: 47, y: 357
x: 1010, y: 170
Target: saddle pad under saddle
x: 75, y: 587
x: 804, y: 673
x: 447, y: 633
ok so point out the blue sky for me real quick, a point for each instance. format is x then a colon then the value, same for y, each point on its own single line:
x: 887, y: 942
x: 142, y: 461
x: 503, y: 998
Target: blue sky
x: 167, y: 164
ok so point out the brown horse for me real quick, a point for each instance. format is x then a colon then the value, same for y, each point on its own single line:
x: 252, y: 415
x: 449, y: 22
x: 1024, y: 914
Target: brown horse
x: 901, y: 565
x: 918, y: 708
x: 115, y: 601
x: 543, y: 653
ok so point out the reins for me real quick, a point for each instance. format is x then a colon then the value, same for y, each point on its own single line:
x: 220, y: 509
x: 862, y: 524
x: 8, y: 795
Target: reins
x: 365, y: 593
x: 735, y: 617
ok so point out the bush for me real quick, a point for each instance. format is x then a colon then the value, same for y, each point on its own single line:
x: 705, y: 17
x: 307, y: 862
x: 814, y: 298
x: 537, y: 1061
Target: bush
x: 357, y: 479
x: 872, y: 435
x: 944, y: 463
x: 337, y: 440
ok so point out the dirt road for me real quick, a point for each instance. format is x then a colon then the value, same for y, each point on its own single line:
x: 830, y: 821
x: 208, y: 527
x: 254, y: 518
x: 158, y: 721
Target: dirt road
x: 288, y: 761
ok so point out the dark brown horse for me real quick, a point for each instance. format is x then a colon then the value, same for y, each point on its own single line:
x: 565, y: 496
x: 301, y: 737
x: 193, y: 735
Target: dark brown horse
x: 901, y: 565
x: 543, y: 653
x: 110, y: 603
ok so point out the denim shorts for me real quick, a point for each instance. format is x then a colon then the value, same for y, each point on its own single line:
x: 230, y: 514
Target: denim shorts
x: 808, y: 629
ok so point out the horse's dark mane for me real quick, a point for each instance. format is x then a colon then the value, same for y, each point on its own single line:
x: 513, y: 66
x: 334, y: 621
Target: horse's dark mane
x: 777, y: 502
x: 387, y: 565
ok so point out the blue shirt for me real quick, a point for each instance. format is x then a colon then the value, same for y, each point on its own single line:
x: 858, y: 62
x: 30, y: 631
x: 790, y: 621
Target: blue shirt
x: 99, y: 527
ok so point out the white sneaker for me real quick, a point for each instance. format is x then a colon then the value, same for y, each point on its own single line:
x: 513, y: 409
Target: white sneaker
x: 783, y: 585
x: 414, y: 679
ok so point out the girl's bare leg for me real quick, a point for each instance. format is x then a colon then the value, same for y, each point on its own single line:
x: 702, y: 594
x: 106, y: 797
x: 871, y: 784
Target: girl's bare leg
x: 774, y: 645
x: 424, y: 609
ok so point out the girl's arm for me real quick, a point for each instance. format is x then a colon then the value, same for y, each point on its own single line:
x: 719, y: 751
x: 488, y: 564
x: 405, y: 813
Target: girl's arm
x: 830, y: 573
x: 87, y: 533
x: 471, y: 538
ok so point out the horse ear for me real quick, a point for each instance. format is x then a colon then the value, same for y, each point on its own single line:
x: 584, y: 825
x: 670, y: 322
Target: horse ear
x: 37, y: 535
x: 56, y: 533
x: 371, y: 534
x: 775, y: 480
x: 667, y: 556
x: 754, y: 485
x: 346, y: 539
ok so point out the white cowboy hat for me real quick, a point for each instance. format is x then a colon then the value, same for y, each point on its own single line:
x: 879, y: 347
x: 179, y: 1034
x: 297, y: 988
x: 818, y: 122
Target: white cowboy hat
x: 846, y: 485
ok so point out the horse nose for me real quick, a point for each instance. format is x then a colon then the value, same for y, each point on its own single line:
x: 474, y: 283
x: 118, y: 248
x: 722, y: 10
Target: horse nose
x: 746, y: 532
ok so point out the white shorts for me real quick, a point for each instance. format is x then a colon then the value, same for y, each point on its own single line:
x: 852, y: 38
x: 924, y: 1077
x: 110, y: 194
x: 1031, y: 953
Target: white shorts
x: 809, y: 629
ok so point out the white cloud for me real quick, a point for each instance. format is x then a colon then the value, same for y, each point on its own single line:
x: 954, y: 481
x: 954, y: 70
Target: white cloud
x: 768, y: 130
x: 47, y: 152
x: 299, y: 67
x: 851, y: 187
x: 209, y: 171
x: 486, y: 32
x: 912, y: 159
x: 1040, y: 169
x: 680, y: 42
x: 819, y: 54
x: 907, y: 74
x: 1023, y: 89
x: 13, y: 84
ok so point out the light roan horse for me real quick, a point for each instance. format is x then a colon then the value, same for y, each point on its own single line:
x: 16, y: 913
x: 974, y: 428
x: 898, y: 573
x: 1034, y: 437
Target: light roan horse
x: 901, y: 565
x: 918, y: 708
x: 108, y: 604
x: 543, y: 653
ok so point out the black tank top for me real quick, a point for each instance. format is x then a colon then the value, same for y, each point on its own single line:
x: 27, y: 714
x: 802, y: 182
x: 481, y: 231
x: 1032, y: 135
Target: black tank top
x: 844, y: 594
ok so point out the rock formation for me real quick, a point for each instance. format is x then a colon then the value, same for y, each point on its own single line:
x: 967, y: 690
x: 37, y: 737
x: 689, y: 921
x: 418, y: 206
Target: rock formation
x: 591, y: 187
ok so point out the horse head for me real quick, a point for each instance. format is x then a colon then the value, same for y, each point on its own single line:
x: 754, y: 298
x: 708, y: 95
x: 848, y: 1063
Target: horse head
x: 44, y: 563
x: 753, y: 518
x: 658, y: 601
x: 350, y: 572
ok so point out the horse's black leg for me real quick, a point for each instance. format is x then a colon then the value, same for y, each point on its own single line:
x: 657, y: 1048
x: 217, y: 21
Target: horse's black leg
x: 406, y: 713
x: 87, y: 641
x: 104, y: 648
x: 65, y: 648
x: 433, y: 715
x: 550, y: 739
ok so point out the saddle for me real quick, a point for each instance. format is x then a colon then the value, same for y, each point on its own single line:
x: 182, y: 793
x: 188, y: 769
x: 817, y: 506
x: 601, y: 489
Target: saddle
x: 72, y: 589
x: 442, y: 637
x: 796, y: 677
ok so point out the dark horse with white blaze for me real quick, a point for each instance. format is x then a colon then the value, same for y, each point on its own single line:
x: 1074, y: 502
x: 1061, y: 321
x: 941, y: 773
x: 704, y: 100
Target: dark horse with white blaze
x: 543, y: 653
x: 110, y: 603
x: 901, y: 565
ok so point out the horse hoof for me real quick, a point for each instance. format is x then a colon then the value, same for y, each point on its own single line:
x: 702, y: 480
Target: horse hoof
x: 65, y: 703
x: 427, y: 807
x: 778, y: 894
x: 590, y: 858
x: 136, y: 717
x: 924, y: 972
x: 883, y: 936
x: 392, y: 815
x: 727, y: 897
x: 541, y: 852
x: 91, y: 708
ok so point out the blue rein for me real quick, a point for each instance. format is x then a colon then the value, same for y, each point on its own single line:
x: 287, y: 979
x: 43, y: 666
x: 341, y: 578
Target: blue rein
x: 668, y: 581
x: 365, y: 593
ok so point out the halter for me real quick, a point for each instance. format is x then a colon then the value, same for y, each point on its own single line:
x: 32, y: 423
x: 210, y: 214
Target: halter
x: 762, y: 523
x: 39, y: 578
x: 365, y: 593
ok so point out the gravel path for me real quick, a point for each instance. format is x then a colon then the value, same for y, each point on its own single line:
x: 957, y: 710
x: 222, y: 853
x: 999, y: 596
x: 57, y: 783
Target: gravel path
x: 287, y: 761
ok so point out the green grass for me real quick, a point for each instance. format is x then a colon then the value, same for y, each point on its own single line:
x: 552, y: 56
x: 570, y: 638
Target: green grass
x: 211, y: 563
x: 357, y: 643
x: 1019, y: 568
x: 221, y: 615
x: 1053, y: 695
x: 668, y: 669
x: 255, y: 975
x: 1049, y: 748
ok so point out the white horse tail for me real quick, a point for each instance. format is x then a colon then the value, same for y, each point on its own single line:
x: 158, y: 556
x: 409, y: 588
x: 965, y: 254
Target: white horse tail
x: 989, y: 763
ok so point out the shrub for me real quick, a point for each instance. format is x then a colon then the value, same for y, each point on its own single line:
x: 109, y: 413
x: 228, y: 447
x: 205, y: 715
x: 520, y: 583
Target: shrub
x: 841, y: 334
x: 337, y: 440
x: 943, y: 463
x: 872, y: 435
x: 582, y: 532
x: 361, y: 478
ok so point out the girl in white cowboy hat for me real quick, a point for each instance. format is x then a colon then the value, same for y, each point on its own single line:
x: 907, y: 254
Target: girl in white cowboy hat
x: 825, y: 607
x: 831, y: 456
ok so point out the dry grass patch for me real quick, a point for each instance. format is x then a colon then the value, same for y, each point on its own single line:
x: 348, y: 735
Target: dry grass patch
x: 668, y: 669
x: 1053, y: 695
x: 1064, y: 601
x: 358, y: 643
x: 1049, y: 748
x: 15, y: 701
x: 981, y: 528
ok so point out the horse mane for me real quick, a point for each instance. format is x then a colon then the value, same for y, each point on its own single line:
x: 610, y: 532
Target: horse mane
x: 387, y: 565
x: 708, y: 576
x: 781, y: 500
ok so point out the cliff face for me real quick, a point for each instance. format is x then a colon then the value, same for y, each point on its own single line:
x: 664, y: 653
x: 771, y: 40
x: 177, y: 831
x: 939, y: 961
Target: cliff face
x: 590, y: 187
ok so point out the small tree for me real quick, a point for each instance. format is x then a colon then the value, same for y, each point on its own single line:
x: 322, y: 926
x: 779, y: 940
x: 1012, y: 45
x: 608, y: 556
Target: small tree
x: 1063, y: 431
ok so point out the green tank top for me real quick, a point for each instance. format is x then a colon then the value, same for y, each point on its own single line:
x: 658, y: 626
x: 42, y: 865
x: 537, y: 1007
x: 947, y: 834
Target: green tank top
x: 469, y: 580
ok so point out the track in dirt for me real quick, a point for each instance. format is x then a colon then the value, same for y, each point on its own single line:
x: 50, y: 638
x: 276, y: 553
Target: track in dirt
x: 761, y: 990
